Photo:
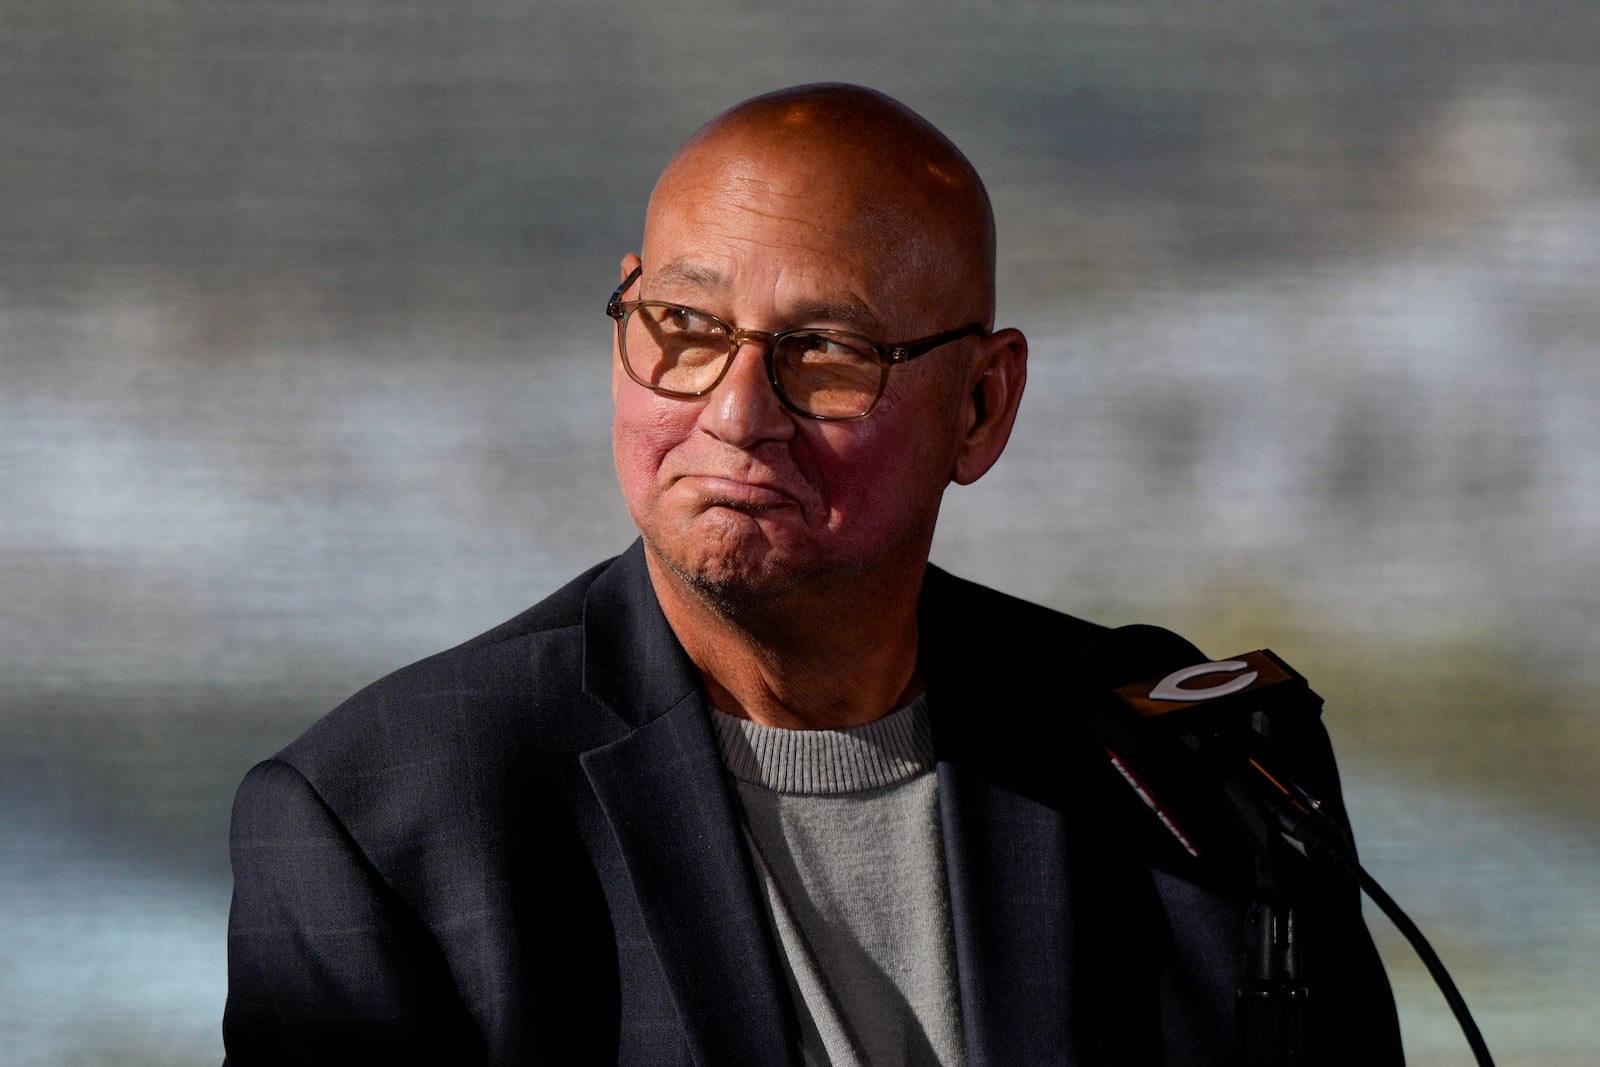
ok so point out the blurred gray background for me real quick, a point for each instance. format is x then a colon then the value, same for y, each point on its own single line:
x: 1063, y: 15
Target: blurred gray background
x: 305, y: 376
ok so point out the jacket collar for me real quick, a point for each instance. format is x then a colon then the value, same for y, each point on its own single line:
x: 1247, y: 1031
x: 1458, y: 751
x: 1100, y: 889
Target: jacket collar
x: 632, y: 662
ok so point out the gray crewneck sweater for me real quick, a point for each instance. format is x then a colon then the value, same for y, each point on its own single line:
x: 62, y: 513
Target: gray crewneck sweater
x: 843, y: 826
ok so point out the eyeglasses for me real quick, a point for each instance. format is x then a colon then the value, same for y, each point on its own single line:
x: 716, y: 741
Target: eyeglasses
x: 822, y: 374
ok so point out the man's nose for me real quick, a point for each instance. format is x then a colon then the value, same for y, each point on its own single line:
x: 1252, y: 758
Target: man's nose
x: 743, y: 408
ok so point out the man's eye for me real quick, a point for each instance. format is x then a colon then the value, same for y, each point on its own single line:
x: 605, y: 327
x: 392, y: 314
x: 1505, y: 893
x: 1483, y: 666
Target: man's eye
x: 820, y: 349
x: 686, y: 323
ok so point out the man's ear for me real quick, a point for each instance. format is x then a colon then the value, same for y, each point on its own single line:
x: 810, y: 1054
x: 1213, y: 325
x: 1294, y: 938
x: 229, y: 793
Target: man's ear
x: 994, y: 390
x: 630, y: 263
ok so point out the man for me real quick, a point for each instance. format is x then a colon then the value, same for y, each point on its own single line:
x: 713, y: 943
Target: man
x: 765, y: 788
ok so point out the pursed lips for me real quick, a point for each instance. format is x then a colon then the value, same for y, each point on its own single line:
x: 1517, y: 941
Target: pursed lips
x: 734, y: 492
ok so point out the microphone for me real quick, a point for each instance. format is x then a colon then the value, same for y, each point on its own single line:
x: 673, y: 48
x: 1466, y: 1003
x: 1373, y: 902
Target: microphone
x: 1200, y: 731
x: 1180, y: 725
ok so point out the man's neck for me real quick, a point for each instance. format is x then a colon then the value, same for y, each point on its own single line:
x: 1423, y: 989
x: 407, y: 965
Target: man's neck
x: 804, y: 659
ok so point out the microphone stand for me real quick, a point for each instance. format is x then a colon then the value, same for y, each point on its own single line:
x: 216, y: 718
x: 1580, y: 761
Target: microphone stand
x: 1271, y: 1009
x: 1271, y: 1004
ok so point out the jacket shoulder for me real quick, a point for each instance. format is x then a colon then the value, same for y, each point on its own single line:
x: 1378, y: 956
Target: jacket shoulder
x: 956, y: 610
x: 514, y: 689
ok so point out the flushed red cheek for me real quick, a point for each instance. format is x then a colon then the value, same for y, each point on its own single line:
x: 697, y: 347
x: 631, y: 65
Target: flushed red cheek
x: 637, y: 471
x: 643, y: 434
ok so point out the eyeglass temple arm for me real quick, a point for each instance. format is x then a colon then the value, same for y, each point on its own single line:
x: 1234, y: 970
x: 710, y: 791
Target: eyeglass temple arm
x: 611, y: 305
x: 907, y: 352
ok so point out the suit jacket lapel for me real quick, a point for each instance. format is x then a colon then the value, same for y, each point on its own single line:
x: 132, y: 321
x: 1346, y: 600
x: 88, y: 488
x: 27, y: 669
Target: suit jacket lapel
x: 1009, y: 892
x: 1006, y: 864
x: 1059, y: 941
x: 1005, y: 841
x: 664, y: 793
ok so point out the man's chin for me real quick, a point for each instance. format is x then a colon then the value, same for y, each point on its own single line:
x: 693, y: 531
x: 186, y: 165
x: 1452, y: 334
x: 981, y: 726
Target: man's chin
x: 732, y: 576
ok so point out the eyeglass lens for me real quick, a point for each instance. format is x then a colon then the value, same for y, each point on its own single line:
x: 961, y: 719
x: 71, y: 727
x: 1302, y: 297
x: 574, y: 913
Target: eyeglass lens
x: 681, y: 351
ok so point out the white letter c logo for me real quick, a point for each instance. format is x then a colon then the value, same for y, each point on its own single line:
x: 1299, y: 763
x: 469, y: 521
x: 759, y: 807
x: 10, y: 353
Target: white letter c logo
x: 1171, y: 687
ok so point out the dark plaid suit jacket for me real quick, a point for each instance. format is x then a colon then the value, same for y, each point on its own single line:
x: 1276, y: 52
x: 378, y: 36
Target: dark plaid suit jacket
x: 524, y: 850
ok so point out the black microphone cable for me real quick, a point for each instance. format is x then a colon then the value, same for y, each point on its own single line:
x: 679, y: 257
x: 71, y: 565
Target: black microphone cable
x: 1430, y: 958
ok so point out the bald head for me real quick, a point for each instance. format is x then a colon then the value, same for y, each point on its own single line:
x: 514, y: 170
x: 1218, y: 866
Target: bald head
x: 864, y: 170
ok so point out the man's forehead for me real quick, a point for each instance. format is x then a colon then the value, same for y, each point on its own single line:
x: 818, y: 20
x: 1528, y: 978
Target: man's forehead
x: 790, y: 204
x: 717, y: 280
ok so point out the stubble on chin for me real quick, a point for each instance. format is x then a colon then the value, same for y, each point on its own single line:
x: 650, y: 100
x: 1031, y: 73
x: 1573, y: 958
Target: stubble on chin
x: 727, y: 581
x: 730, y: 574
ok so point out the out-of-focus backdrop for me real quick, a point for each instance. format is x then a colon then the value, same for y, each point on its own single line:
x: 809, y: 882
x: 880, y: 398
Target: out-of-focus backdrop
x: 305, y: 376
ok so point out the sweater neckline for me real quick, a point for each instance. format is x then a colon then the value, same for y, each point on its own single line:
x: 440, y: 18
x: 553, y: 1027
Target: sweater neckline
x: 874, y: 755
